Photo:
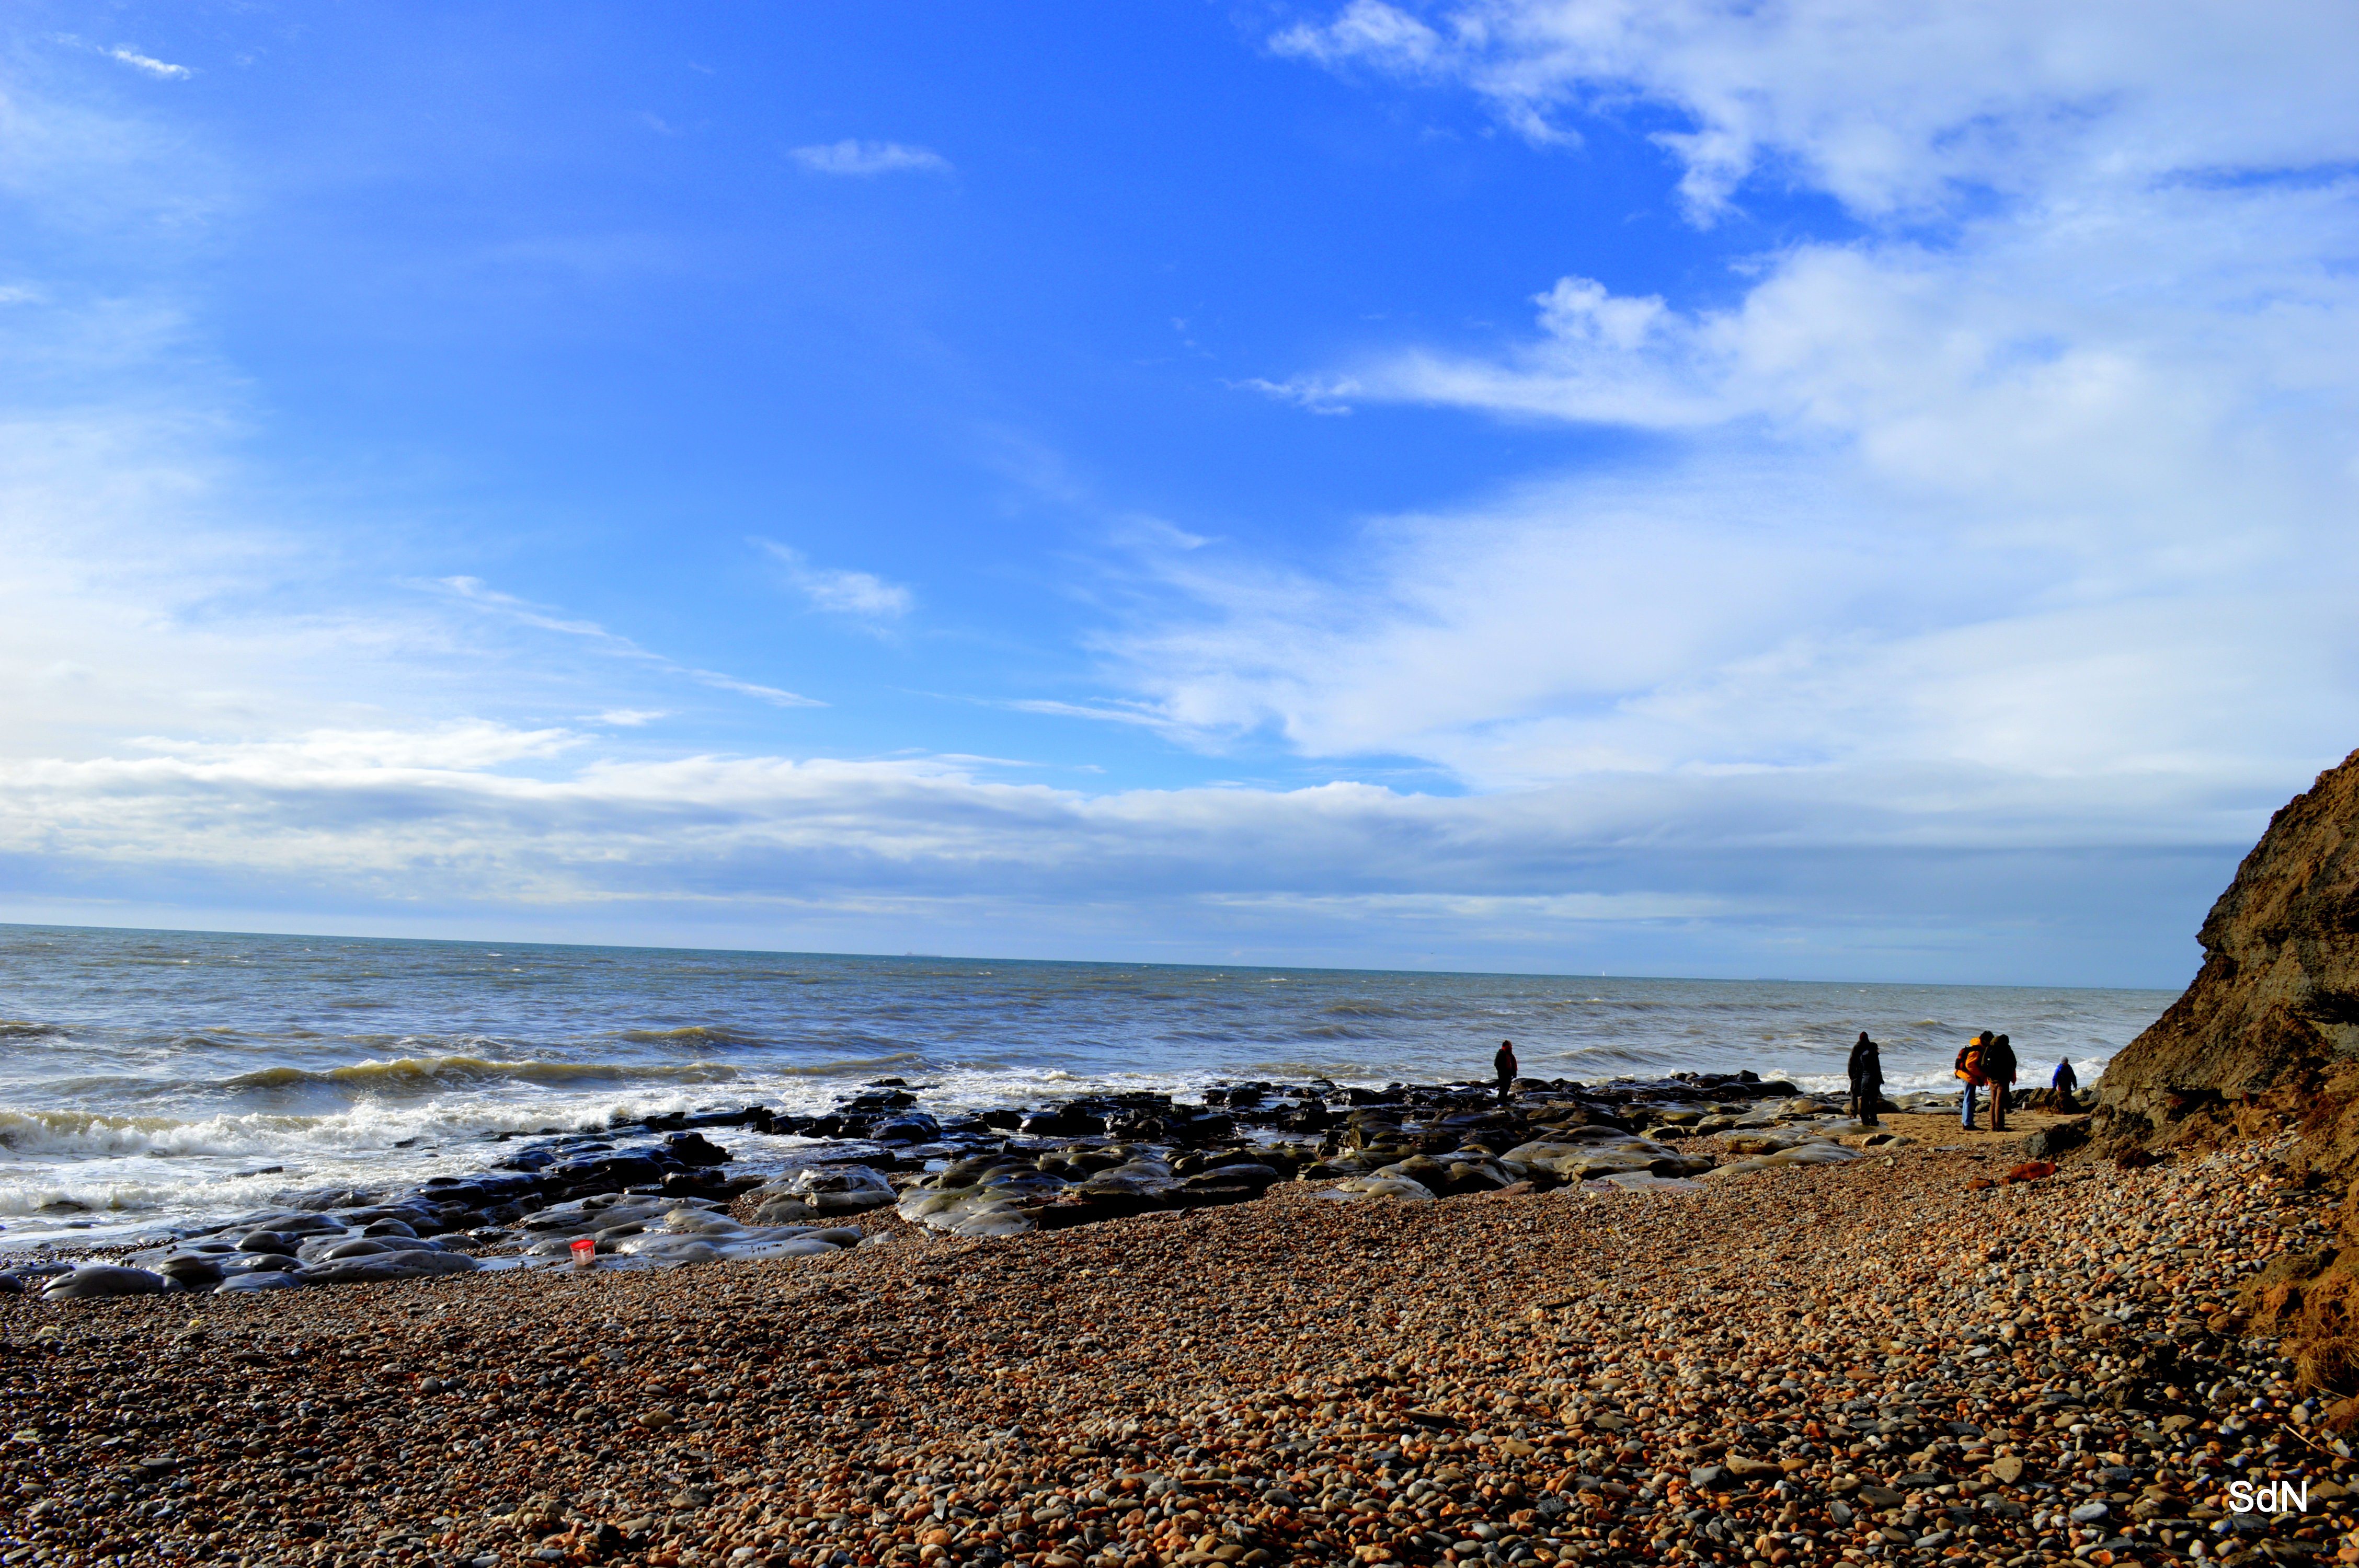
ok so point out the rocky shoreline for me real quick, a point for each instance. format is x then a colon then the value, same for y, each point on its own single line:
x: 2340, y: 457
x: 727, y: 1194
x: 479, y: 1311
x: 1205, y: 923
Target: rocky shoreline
x: 650, y: 1191
x: 1887, y: 1357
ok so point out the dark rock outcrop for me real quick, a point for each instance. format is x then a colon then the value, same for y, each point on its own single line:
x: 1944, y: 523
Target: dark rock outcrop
x: 2267, y: 1036
x: 2055, y: 1142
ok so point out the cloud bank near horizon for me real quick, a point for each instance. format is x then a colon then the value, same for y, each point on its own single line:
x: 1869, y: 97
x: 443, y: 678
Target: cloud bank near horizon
x: 475, y: 823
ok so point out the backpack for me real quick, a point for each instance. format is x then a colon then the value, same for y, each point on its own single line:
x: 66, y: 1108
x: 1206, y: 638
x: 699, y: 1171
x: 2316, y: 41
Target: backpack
x: 1970, y: 1061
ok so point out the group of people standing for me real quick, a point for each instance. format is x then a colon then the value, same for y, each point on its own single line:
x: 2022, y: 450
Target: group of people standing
x: 1987, y: 1061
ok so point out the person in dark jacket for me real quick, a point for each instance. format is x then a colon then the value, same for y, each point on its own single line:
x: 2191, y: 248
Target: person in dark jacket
x: 1866, y: 1079
x: 1503, y: 1064
x: 1998, y: 1066
x: 2065, y: 1082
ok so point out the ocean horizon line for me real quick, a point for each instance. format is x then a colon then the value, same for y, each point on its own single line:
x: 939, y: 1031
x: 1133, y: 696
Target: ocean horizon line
x: 233, y: 933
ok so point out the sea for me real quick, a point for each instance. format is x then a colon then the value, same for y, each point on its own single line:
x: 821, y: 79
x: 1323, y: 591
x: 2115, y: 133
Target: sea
x: 151, y: 1079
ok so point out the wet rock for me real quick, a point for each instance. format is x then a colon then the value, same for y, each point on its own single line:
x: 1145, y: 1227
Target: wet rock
x: 271, y: 1241
x: 1360, y: 1189
x: 808, y: 1194
x: 694, y: 1149
x: 262, y: 1280
x: 915, y: 1128
x: 377, y: 1268
x: 1064, y: 1121
x: 191, y: 1271
x: 91, y: 1281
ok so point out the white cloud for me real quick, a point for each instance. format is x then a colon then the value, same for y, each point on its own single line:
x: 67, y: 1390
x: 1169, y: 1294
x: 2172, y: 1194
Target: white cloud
x: 1366, y: 30
x: 473, y: 591
x: 837, y: 591
x: 149, y: 64
x: 464, y: 747
x: 628, y: 717
x: 125, y: 55
x: 1892, y: 106
x: 2036, y: 487
x: 863, y: 159
x: 1149, y: 716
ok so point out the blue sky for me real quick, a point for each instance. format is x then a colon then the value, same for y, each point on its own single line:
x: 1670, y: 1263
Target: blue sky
x: 1822, y: 491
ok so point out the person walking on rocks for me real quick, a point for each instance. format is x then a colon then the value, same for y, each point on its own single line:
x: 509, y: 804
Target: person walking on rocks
x: 1969, y: 1066
x: 2064, y: 1083
x: 1503, y: 1064
x: 1998, y: 1066
x: 1866, y: 1079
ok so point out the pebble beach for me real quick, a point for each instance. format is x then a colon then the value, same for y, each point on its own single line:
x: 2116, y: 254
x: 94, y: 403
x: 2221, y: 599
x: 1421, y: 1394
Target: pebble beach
x: 1899, y: 1357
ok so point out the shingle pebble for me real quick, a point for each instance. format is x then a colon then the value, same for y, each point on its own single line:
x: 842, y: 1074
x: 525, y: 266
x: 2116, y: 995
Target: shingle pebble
x: 1867, y: 1362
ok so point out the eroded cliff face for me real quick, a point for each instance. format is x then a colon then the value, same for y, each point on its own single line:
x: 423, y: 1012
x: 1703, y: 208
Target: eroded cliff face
x: 2269, y: 1034
x: 2265, y: 1039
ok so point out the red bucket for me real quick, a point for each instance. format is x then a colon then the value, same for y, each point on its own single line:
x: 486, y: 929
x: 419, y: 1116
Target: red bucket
x: 585, y: 1252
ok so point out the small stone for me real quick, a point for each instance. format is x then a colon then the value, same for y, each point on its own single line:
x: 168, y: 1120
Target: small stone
x: 2090, y: 1513
x: 2007, y: 1468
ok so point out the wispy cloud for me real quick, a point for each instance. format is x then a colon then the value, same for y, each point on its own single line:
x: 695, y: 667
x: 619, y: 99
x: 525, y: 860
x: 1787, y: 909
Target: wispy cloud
x: 472, y: 591
x: 1366, y: 32
x: 836, y: 590
x: 1144, y: 715
x: 862, y: 158
x: 1889, y: 108
x: 125, y: 55
x: 628, y: 717
x: 2040, y: 471
x: 151, y: 64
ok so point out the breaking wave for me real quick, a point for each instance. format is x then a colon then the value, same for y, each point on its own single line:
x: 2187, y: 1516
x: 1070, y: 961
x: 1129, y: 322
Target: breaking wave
x: 86, y: 1133
x: 434, y: 1075
x: 694, y: 1034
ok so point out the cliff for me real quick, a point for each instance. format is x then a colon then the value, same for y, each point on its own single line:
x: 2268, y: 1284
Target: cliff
x: 2267, y: 1036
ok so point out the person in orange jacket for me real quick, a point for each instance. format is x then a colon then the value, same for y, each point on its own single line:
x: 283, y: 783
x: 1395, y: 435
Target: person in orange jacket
x: 1970, y: 1068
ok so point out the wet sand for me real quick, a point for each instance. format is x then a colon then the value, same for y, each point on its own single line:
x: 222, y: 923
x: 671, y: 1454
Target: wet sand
x: 1862, y: 1361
